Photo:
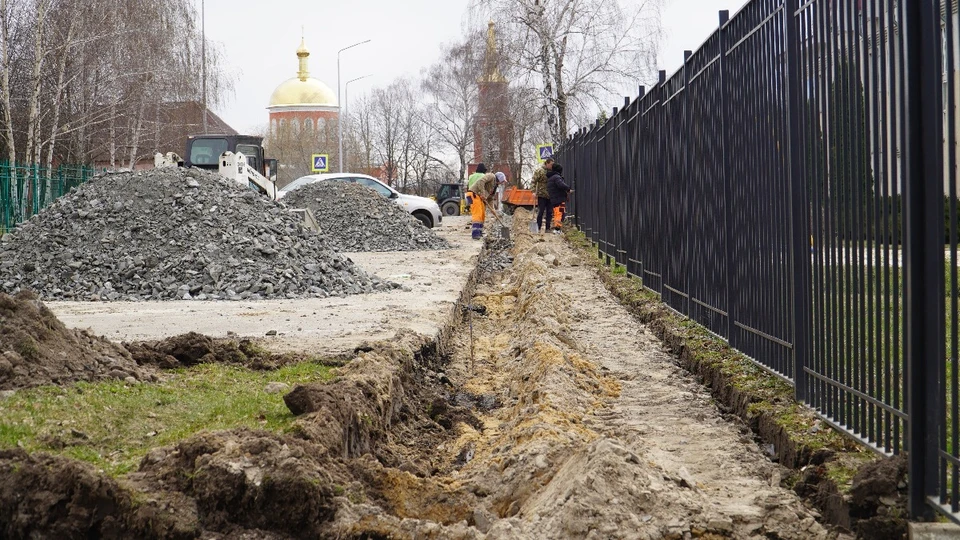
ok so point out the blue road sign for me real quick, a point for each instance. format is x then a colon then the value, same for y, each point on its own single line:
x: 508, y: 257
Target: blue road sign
x: 321, y: 163
x: 544, y: 151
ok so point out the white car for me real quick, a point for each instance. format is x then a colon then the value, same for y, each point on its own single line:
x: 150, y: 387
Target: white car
x: 422, y: 208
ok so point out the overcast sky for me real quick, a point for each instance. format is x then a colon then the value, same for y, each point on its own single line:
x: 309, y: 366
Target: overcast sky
x: 260, y: 41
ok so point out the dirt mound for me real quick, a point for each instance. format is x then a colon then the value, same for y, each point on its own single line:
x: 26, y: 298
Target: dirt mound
x: 37, y: 349
x: 192, y: 348
x: 172, y: 233
x: 371, y: 452
x: 355, y: 218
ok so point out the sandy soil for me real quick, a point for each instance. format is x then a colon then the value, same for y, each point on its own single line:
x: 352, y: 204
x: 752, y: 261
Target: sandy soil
x: 432, y: 282
x: 599, y: 433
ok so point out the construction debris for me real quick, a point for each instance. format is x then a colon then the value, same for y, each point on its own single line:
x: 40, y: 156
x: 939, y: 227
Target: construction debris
x: 355, y: 218
x: 172, y: 233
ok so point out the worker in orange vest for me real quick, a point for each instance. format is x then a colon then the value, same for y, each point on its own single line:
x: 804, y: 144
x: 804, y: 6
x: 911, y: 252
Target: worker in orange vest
x: 482, y: 195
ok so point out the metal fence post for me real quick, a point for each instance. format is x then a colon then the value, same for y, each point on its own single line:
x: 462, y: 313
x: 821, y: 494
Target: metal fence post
x: 799, y: 256
x: 729, y: 283
x: 923, y: 244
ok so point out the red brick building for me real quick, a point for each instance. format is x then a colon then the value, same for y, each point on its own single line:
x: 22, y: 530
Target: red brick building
x: 493, y: 131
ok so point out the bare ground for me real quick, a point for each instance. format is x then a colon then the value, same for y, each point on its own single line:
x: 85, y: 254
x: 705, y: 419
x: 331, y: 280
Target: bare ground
x: 556, y: 416
x: 601, y: 435
x: 432, y: 283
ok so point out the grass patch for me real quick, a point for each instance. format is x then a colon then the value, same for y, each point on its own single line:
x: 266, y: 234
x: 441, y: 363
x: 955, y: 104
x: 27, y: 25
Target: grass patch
x: 114, y: 424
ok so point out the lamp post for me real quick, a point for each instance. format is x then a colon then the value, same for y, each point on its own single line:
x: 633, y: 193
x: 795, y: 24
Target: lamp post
x: 346, y: 107
x: 203, y: 65
x: 339, y: 123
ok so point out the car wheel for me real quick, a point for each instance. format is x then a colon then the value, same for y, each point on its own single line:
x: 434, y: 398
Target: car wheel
x: 425, y: 219
x: 450, y: 208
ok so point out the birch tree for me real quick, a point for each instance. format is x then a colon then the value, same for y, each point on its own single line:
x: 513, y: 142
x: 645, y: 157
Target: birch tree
x: 453, y: 93
x: 578, y: 53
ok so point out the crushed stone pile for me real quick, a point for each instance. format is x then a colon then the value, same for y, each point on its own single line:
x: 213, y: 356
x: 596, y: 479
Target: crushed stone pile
x: 37, y: 349
x: 173, y: 233
x: 354, y: 218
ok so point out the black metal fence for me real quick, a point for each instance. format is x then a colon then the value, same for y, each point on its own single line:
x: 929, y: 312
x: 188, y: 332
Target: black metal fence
x: 793, y: 188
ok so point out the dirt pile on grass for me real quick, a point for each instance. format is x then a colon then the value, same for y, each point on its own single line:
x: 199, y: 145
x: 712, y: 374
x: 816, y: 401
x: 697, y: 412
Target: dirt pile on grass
x: 172, y: 233
x: 192, y: 348
x: 355, y: 218
x: 371, y: 451
x: 37, y: 349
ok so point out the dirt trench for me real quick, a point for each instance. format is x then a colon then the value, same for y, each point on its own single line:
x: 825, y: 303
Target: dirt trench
x: 599, y: 434
x: 544, y: 411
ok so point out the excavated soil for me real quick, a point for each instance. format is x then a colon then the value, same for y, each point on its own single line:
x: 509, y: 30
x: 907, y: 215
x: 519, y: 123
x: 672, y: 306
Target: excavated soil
x: 192, y: 348
x: 37, y: 349
x: 555, y: 415
x: 361, y: 440
x: 601, y: 434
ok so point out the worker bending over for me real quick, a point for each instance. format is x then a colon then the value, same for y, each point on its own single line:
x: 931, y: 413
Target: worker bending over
x: 481, y: 196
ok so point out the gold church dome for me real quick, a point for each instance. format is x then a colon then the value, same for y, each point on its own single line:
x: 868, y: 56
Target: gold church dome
x: 303, y: 90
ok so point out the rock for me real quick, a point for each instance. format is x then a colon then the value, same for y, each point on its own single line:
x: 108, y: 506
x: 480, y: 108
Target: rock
x: 271, y: 332
x: 276, y: 388
x: 483, y: 520
x: 155, y: 236
x: 7, y: 394
x: 721, y: 525
x: 355, y: 218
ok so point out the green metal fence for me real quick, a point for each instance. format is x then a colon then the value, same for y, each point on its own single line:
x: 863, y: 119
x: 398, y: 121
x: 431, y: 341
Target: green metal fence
x: 26, y: 189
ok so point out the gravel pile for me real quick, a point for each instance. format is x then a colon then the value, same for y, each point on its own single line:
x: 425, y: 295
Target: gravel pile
x: 169, y: 234
x: 355, y: 218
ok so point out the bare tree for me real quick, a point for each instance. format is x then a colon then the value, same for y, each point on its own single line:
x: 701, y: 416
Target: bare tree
x: 451, y: 85
x: 86, y: 75
x: 579, y: 51
x: 293, y: 143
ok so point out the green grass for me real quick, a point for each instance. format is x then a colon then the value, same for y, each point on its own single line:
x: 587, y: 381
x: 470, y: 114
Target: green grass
x: 114, y: 424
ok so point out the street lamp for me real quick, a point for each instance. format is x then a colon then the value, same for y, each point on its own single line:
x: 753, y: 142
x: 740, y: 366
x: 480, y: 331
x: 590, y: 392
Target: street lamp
x: 346, y: 107
x: 203, y: 53
x: 339, y: 123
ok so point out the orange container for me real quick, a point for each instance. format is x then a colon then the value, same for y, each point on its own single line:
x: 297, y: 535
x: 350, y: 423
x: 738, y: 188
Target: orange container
x: 519, y: 197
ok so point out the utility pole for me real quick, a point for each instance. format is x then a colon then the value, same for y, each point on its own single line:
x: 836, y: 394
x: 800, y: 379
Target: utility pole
x: 340, y: 107
x: 346, y: 108
x: 203, y: 64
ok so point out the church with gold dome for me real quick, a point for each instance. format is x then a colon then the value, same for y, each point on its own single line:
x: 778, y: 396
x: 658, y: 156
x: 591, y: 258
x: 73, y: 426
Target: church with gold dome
x: 303, y: 120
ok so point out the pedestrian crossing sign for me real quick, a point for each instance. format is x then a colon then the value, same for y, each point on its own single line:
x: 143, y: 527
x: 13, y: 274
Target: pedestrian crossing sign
x: 544, y: 151
x: 321, y: 163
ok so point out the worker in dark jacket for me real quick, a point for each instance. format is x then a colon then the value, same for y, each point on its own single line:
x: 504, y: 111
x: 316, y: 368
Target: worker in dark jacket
x: 540, y: 189
x: 558, y: 190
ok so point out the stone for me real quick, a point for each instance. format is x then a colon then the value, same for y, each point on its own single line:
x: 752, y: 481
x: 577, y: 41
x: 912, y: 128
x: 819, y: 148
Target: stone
x: 483, y: 520
x: 154, y: 236
x: 720, y: 525
x: 355, y: 218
